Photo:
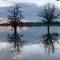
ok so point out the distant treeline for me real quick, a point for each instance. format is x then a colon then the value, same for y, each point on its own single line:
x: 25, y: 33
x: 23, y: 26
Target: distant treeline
x: 39, y: 24
x: 33, y: 24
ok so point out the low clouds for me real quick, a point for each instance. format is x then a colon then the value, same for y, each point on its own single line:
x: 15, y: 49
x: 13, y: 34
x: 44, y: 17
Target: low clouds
x: 5, y: 2
x: 38, y: 2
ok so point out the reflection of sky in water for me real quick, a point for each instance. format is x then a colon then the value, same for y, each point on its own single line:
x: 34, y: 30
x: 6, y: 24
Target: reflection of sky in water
x: 4, y: 45
x: 30, y: 50
x: 9, y: 28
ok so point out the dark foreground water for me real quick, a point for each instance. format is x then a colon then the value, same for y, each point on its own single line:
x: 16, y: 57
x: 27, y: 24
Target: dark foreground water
x: 33, y: 48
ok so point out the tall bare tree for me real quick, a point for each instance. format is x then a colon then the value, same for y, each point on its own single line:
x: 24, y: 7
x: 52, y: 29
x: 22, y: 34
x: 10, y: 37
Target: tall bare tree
x: 48, y: 14
x: 15, y: 16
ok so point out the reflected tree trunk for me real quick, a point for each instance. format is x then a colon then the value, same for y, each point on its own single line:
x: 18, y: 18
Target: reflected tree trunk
x: 15, y: 35
x: 48, y: 32
x: 15, y: 30
x: 48, y: 28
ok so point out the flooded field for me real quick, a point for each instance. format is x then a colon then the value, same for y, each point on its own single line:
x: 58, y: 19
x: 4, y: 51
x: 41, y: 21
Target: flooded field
x: 30, y: 43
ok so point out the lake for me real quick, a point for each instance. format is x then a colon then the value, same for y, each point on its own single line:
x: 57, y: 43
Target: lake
x: 33, y: 47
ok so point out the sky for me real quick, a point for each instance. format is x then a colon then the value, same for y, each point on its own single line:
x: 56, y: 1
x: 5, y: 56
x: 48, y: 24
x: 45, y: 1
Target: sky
x: 4, y: 3
x: 38, y: 2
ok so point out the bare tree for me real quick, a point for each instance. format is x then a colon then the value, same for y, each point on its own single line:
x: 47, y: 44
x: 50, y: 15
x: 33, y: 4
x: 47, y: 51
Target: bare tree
x: 48, y: 14
x: 15, y: 16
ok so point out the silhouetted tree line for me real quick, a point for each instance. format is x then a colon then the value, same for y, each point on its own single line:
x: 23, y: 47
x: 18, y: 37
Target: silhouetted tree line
x: 31, y: 24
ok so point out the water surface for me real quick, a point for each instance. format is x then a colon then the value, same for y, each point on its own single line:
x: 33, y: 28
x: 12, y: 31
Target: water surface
x: 32, y: 48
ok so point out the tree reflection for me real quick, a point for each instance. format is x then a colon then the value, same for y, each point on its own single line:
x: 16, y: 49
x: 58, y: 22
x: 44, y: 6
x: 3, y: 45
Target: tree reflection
x: 16, y: 41
x: 49, y: 41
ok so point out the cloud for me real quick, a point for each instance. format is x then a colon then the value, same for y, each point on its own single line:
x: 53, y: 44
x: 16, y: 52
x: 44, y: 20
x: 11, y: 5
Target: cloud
x: 5, y: 3
x: 38, y: 2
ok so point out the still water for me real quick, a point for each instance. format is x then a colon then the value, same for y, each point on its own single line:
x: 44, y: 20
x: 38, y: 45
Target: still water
x: 33, y: 48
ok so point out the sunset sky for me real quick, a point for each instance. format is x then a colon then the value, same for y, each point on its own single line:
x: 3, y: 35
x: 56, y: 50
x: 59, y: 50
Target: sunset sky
x: 38, y: 2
